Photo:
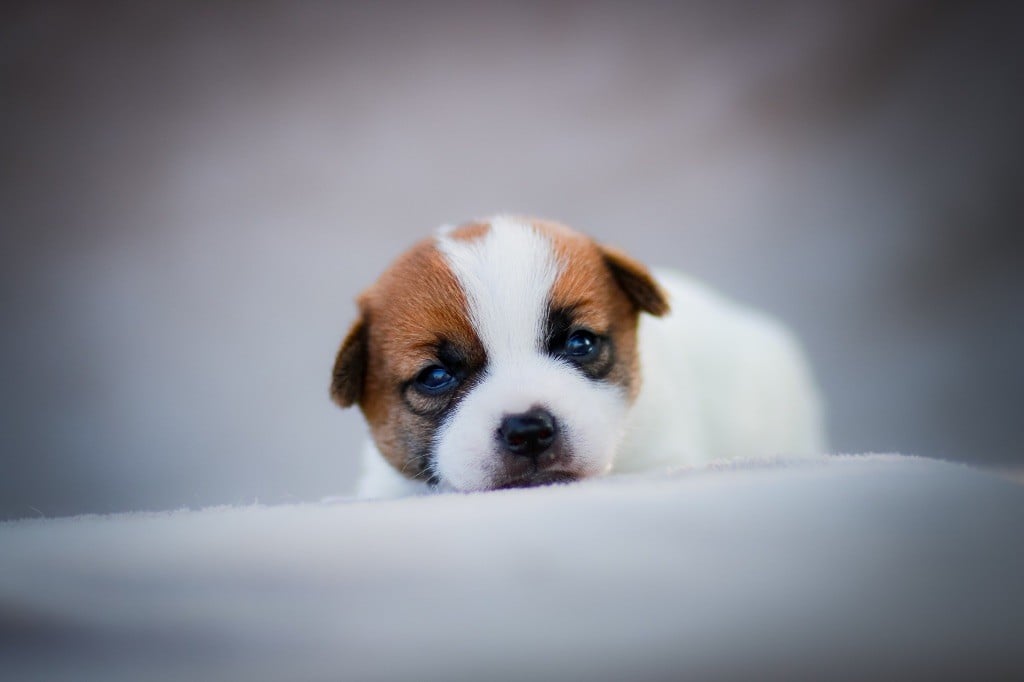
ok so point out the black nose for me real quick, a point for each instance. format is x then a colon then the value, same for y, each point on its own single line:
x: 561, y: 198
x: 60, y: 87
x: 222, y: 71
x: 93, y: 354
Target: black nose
x: 529, y: 433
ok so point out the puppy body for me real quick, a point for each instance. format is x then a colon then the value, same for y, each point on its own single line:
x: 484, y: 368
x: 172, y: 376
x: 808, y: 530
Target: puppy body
x: 559, y: 360
x: 719, y: 381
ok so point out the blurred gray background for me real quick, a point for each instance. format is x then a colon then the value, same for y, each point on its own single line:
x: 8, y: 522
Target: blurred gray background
x: 193, y: 194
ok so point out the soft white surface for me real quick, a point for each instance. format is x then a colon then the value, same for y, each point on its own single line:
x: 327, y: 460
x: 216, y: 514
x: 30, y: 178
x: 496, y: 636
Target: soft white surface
x: 840, y: 567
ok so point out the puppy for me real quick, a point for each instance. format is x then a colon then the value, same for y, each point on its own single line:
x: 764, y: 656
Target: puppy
x: 516, y: 352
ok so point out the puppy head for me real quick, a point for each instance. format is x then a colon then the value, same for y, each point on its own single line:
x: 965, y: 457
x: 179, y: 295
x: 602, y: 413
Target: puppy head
x: 498, y: 354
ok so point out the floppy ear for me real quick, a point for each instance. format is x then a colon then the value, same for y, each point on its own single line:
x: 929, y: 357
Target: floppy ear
x: 350, y: 366
x: 634, y: 279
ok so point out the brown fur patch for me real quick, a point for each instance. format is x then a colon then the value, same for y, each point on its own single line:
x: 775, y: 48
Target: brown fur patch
x: 413, y: 308
x: 591, y: 289
x: 350, y: 366
x: 469, y: 231
x: 636, y: 281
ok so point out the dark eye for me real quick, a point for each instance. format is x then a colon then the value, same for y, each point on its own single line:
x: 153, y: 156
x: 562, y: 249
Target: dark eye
x: 581, y: 345
x: 435, y: 380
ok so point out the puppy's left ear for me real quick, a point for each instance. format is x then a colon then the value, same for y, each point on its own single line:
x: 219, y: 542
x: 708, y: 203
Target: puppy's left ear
x: 350, y: 365
x: 637, y: 281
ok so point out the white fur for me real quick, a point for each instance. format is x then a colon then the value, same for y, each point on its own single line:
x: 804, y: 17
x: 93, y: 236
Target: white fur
x: 590, y: 416
x: 380, y: 480
x: 507, y: 276
x: 719, y: 381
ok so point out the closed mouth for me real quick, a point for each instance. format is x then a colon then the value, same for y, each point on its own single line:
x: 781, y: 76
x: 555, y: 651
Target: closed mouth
x: 538, y: 479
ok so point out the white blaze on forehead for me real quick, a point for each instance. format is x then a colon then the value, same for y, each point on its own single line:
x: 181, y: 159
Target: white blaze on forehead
x: 507, y: 275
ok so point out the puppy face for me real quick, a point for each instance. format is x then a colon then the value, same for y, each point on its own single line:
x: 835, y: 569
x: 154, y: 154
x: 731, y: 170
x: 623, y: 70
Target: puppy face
x: 499, y: 354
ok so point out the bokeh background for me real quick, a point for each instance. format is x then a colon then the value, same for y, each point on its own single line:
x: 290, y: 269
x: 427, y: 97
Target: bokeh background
x: 193, y: 194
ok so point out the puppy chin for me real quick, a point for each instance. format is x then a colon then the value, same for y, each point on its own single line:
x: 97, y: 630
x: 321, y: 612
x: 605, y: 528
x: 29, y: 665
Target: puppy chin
x: 590, y: 418
x: 536, y: 479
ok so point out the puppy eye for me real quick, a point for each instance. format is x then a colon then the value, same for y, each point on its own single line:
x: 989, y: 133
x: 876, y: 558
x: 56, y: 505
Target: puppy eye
x: 581, y: 345
x: 435, y: 380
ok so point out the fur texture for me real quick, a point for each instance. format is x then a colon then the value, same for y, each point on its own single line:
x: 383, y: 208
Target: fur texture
x: 494, y: 300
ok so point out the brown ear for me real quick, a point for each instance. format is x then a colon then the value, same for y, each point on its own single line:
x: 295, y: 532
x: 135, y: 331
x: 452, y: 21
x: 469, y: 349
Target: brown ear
x: 350, y: 366
x: 636, y: 281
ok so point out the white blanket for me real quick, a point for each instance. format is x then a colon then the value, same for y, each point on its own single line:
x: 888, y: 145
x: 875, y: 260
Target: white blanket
x: 868, y: 566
